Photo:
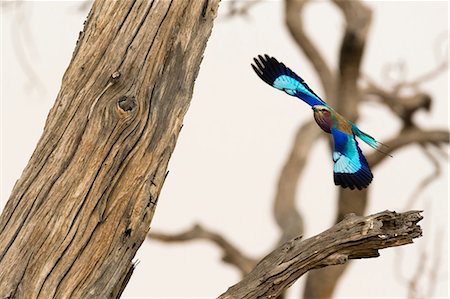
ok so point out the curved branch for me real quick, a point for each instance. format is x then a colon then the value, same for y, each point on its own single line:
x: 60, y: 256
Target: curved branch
x: 353, y: 238
x: 358, y: 19
x: 431, y: 74
x: 241, y: 10
x: 232, y: 255
x: 426, y: 181
x: 321, y: 283
x: 440, y: 67
x: 286, y: 214
x: 23, y: 44
x: 293, y: 12
x: 404, y: 106
x: 407, y: 137
x: 436, y: 263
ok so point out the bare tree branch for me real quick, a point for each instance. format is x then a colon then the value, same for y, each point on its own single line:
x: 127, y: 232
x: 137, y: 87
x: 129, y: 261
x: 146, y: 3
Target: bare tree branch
x: 286, y: 214
x: 353, y: 238
x: 345, y: 88
x: 84, y: 5
x: 239, y: 8
x: 358, y: 19
x: 231, y: 254
x: 418, y: 273
x: 404, y: 106
x: 408, y: 137
x: 440, y: 67
x: 416, y: 289
x: 437, y: 264
x: 22, y: 41
x: 431, y: 74
x: 293, y: 17
x: 321, y: 283
x: 427, y: 180
x: 413, y: 288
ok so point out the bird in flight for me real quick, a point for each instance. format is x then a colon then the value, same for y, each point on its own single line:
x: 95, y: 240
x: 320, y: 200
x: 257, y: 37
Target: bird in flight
x: 350, y: 166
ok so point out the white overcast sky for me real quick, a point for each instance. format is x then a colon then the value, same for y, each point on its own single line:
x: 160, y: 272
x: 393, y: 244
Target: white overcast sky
x: 237, y: 134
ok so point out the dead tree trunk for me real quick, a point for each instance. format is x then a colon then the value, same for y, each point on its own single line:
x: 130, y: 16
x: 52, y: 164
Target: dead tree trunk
x: 84, y: 203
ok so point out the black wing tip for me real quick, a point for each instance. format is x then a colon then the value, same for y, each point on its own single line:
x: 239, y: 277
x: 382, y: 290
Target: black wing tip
x: 359, y: 180
x: 266, y: 61
x: 268, y: 68
x: 271, y: 69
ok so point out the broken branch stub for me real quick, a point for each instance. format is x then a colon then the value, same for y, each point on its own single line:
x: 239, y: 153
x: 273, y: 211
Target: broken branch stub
x: 354, y: 237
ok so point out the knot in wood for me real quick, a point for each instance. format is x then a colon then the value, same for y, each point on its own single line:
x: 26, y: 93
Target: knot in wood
x: 127, y: 103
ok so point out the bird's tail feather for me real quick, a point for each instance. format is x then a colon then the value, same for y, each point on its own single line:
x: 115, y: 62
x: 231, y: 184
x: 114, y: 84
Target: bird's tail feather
x: 370, y: 141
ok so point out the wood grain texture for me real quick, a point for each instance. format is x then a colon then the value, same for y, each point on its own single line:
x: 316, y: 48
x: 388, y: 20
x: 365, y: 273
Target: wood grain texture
x: 354, y: 237
x: 84, y: 202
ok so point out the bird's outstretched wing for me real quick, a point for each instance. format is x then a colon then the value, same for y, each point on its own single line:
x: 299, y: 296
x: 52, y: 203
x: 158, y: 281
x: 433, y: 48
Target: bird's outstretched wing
x: 350, y: 166
x: 277, y: 75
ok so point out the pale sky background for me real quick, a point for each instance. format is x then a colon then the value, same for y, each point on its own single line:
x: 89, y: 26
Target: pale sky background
x: 237, y: 134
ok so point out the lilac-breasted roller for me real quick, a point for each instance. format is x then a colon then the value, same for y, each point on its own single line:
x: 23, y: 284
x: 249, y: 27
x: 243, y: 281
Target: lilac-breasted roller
x: 350, y: 166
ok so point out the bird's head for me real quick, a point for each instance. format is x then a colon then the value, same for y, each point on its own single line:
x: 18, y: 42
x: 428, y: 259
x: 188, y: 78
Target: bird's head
x: 322, y: 115
x: 321, y: 109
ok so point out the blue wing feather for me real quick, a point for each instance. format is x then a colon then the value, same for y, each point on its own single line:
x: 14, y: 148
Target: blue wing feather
x: 350, y: 166
x: 277, y: 75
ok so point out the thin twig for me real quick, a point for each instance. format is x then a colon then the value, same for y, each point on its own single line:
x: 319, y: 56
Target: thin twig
x: 239, y: 8
x: 427, y: 180
x: 437, y: 264
x: 412, y: 136
x: 441, y: 66
x: 418, y: 274
x: 21, y: 32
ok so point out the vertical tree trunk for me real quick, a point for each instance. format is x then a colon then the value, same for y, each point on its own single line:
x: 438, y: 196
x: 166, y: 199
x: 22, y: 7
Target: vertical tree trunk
x: 321, y: 283
x: 84, y: 203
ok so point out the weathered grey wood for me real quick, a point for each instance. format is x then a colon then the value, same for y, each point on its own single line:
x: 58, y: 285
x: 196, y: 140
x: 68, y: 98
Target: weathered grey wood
x: 353, y: 238
x: 84, y: 202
